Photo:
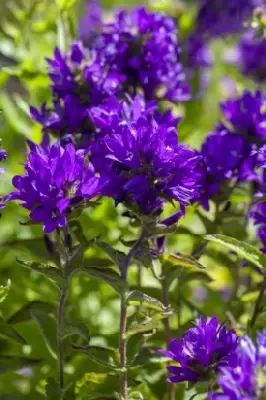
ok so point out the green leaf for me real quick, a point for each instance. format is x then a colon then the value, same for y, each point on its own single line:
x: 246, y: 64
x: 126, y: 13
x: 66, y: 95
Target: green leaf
x: 8, y: 332
x: 4, y: 290
x: 180, y: 260
x: 141, y: 299
x: 162, y: 230
x: 25, y: 313
x: 109, y: 276
x: 50, y: 272
x: 202, y: 276
x: 47, y: 325
x: 14, y: 363
x: 101, y: 355
x: 244, y: 250
x: 118, y: 257
x: 66, y: 4
x: 52, y: 390
x: 148, y: 323
x: 76, y: 329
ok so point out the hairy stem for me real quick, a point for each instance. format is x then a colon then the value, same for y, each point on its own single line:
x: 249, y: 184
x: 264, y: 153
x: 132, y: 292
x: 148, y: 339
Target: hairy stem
x: 167, y: 328
x: 60, y: 327
x: 257, y: 307
x: 123, y: 320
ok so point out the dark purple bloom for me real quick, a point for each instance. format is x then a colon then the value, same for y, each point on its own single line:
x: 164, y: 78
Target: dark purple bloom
x: 219, y: 17
x: 251, y: 58
x: 246, y: 378
x: 246, y: 116
x: 55, y: 181
x: 91, y: 23
x: 228, y: 158
x: 201, y: 351
x: 144, y: 162
x: 142, y: 49
x: 3, y: 155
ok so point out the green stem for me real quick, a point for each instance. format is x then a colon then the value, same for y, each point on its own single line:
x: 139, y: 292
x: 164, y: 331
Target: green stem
x: 123, y: 320
x: 257, y: 307
x: 60, y: 327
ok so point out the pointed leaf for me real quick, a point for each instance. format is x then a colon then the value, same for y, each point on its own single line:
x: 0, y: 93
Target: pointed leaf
x: 4, y: 290
x: 118, y: 257
x: 50, y: 272
x: 24, y: 314
x: 180, y: 260
x: 148, y: 324
x: 101, y: 355
x: 47, y: 325
x: 139, y: 298
x: 14, y: 363
x: 8, y: 332
x: 77, y: 328
x: 244, y: 250
x: 109, y: 276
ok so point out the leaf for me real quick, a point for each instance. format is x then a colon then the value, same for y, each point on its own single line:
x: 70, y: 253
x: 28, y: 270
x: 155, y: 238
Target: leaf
x: 47, y: 325
x: 50, y: 272
x: 141, y: 299
x: 77, y: 328
x: 52, y: 390
x: 25, y: 313
x: 118, y: 257
x: 101, y: 355
x: 196, y: 276
x: 244, y: 250
x: 96, y: 386
x: 65, y: 4
x: 147, y: 324
x: 4, y: 290
x: 14, y: 363
x: 180, y: 260
x: 8, y: 332
x: 162, y: 230
x: 109, y: 276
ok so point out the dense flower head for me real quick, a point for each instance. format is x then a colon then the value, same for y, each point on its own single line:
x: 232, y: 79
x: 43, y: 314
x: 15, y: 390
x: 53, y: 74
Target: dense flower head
x: 145, y: 163
x: 55, y: 181
x: 251, y: 58
x: 246, y: 115
x: 79, y: 81
x: 219, y: 17
x: 201, y: 351
x: 228, y: 159
x: 142, y: 49
x: 246, y: 378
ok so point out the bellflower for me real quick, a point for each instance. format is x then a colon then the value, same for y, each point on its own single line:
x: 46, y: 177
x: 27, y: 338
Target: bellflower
x: 79, y: 81
x: 146, y: 165
x: 246, y: 115
x: 55, y: 181
x: 90, y: 24
x: 246, y: 378
x: 218, y: 18
x: 142, y: 48
x: 228, y: 158
x: 250, y: 57
x: 201, y: 352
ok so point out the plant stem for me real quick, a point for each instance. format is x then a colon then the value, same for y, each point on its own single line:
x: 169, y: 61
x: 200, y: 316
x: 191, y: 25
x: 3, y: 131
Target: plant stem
x: 123, y: 320
x: 60, y: 327
x: 167, y: 328
x: 258, y: 302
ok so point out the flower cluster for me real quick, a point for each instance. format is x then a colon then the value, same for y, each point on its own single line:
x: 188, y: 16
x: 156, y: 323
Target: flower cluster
x: 202, y: 351
x: 142, y: 50
x: 55, y: 181
x: 217, y: 18
x: 246, y: 378
x: 91, y: 23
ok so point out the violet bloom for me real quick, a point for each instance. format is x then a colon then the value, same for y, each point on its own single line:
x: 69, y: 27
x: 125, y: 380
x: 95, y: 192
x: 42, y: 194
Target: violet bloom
x: 246, y: 116
x: 246, y: 378
x: 228, y: 159
x: 142, y: 48
x: 201, y: 352
x: 146, y: 165
x: 251, y: 58
x: 79, y: 81
x: 219, y: 17
x: 55, y: 181
x: 91, y: 23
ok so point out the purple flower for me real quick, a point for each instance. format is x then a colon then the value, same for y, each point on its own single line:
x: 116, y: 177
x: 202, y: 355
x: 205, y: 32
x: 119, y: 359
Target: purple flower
x: 144, y: 162
x: 142, y: 49
x: 91, y: 23
x: 251, y: 58
x: 246, y: 116
x: 55, y: 181
x: 228, y: 159
x: 258, y: 214
x: 246, y: 378
x: 201, y: 352
x: 218, y: 18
